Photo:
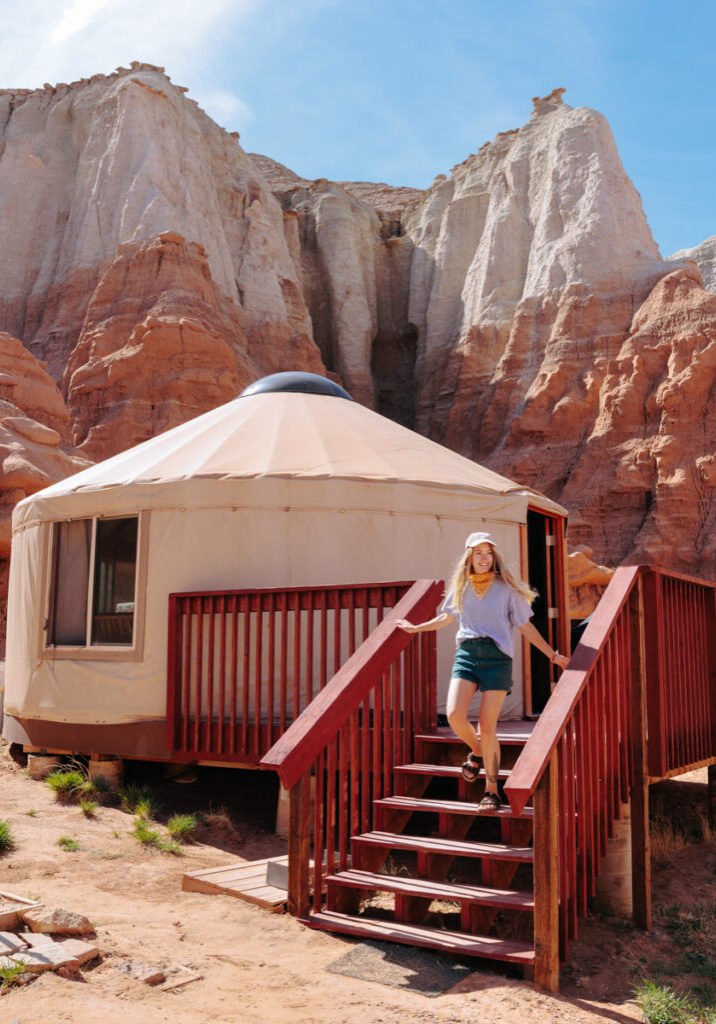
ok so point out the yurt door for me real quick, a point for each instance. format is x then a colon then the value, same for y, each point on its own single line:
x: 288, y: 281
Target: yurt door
x: 545, y: 557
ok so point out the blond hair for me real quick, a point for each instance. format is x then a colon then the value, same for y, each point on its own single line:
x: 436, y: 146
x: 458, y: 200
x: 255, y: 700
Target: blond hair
x: 461, y: 577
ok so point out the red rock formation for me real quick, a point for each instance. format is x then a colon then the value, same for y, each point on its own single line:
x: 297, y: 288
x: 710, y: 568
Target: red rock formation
x: 34, y: 436
x: 159, y: 344
x: 643, y: 487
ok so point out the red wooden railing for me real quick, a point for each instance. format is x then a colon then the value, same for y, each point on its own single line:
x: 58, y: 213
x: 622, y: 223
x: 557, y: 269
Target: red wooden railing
x: 681, y: 669
x: 636, y: 703
x: 349, y: 739
x: 243, y: 665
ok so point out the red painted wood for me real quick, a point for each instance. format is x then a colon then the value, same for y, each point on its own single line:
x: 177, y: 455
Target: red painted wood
x: 227, y: 695
x: 174, y: 625
x: 296, y: 749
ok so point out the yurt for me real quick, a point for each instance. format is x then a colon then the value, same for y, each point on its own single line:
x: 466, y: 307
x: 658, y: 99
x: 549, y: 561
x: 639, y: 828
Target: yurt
x: 292, y: 484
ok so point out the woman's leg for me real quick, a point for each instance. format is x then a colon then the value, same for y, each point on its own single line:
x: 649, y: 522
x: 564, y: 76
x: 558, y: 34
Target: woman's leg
x: 490, y: 707
x: 459, y: 698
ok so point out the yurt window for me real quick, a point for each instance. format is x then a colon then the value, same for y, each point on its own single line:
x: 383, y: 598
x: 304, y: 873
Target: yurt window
x: 92, y: 600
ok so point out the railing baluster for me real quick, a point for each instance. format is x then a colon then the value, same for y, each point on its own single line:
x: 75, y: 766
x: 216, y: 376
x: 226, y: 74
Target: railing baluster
x: 283, y: 679
x: 233, y: 606
x: 187, y: 620
x: 319, y: 843
x: 245, y: 625
x: 296, y: 608
x: 271, y: 667
x: 222, y: 674
x: 310, y: 626
x: 256, y: 747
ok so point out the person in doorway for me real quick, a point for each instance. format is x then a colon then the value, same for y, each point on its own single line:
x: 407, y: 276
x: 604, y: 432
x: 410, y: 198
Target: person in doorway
x: 489, y: 603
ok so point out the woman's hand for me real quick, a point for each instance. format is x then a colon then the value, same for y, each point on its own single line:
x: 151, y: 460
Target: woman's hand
x: 409, y: 627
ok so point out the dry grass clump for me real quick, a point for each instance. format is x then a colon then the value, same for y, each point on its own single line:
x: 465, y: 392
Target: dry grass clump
x: 7, y: 840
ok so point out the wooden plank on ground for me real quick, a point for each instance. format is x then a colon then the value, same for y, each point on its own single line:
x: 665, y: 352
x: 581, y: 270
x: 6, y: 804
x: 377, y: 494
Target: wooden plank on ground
x: 246, y: 881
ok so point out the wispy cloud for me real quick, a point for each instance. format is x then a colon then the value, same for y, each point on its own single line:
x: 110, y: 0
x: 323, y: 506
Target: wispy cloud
x: 48, y: 42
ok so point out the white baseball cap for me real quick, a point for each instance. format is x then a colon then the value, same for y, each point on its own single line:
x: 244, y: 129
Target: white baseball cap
x: 478, y: 538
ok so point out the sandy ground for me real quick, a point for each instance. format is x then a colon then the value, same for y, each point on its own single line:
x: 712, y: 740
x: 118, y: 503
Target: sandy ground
x: 253, y: 966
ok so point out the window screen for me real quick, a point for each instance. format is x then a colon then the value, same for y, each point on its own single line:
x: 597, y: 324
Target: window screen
x: 115, y: 564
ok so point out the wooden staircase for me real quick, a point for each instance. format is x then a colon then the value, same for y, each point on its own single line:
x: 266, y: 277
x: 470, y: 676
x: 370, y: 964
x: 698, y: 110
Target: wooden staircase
x: 435, y: 872
x: 393, y: 838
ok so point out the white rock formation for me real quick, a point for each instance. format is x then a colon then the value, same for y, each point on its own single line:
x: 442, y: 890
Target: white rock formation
x: 704, y: 255
x: 97, y: 164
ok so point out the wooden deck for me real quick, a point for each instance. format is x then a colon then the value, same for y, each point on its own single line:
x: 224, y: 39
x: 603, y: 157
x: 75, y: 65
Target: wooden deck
x: 246, y: 881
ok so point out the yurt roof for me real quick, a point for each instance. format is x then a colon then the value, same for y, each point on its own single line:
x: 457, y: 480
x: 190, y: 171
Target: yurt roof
x: 280, y: 435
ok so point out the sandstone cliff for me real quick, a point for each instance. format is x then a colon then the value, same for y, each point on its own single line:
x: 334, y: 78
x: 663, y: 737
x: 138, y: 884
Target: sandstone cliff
x: 34, y: 442
x: 518, y: 310
x: 133, y: 224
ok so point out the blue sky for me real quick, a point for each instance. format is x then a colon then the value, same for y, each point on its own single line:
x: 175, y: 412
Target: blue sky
x: 401, y: 90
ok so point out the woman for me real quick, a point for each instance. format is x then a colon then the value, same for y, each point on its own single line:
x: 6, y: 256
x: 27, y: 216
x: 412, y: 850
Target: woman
x: 489, y: 603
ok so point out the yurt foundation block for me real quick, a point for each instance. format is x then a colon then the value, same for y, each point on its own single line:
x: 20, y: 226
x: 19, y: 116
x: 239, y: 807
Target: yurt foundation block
x: 39, y: 766
x: 614, y: 884
x: 109, y: 769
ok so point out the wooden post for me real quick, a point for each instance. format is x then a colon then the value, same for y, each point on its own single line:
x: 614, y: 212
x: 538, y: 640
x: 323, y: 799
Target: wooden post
x: 711, y: 795
x: 640, y: 841
x: 546, y: 880
x: 299, y: 847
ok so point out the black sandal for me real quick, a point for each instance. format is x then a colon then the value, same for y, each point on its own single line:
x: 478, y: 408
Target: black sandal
x: 470, y: 769
x: 489, y: 802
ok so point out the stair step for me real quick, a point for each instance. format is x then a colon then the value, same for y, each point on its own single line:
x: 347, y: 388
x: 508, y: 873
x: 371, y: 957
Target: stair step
x: 442, y: 770
x: 516, y: 733
x: 411, y: 803
x: 512, y: 899
x: 460, y: 943
x: 440, y: 845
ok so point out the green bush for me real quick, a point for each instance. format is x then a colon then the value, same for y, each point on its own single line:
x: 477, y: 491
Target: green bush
x: 660, y: 1004
x: 182, y: 826
x: 11, y: 975
x: 7, y: 840
x: 68, y: 844
x: 140, y: 801
x: 66, y: 783
x: 153, y: 838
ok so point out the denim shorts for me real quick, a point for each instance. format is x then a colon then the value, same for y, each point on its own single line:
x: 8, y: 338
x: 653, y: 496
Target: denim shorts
x: 481, y: 661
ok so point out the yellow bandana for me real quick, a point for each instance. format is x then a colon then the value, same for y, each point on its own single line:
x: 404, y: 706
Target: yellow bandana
x: 481, y: 582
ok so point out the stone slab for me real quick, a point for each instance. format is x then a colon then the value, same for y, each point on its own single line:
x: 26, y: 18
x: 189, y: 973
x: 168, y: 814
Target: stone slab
x: 82, y: 951
x: 10, y: 943
x: 45, y: 958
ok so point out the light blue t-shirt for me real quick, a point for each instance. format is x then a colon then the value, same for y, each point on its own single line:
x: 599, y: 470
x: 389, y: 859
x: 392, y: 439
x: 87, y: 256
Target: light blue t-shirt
x: 497, y: 614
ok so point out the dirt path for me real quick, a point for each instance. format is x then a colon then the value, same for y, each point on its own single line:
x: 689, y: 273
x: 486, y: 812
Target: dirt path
x: 253, y: 966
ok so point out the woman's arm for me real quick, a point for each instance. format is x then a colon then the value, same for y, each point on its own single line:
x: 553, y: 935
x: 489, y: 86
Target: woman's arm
x: 530, y: 632
x: 444, y: 619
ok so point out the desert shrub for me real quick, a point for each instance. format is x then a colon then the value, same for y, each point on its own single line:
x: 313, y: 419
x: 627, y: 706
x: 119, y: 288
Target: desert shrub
x: 660, y: 1004
x: 68, y: 844
x: 153, y: 838
x: 139, y: 801
x: 66, y: 783
x: 182, y: 826
x: 7, y: 840
x: 88, y: 807
x: 11, y: 974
